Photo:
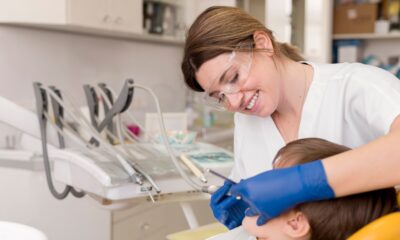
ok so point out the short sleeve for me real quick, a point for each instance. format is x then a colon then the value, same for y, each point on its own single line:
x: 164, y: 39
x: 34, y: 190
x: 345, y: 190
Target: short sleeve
x: 373, y: 97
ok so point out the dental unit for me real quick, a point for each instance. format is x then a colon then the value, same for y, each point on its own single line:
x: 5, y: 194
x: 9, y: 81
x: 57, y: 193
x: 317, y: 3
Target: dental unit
x: 100, y: 157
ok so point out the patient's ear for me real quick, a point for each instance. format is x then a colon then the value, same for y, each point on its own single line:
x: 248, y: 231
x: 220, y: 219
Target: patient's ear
x: 297, y: 225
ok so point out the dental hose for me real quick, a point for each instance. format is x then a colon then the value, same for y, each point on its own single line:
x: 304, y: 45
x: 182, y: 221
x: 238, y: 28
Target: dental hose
x: 163, y: 135
x: 83, y: 122
x: 47, y: 167
x: 122, y: 143
x: 93, y: 132
x: 170, y: 151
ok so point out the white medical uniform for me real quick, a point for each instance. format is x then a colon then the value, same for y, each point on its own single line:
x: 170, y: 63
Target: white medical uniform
x: 347, y: 103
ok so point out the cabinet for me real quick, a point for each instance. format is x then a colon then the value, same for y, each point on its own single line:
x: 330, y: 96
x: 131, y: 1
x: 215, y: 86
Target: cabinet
x: 115, y: 15
x: 82, y: 13
x: 126, y: 15
x: 384, y: 47
x: 111, y: 18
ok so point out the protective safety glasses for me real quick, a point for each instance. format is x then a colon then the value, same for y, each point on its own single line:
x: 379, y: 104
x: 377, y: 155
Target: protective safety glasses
x: 231, y: 79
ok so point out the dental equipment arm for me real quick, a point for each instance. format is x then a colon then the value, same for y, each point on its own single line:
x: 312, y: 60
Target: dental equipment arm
x: 108, y: 94
x: 122, y: 131
x: 79, y: 164
x: 85, y: 126
x: 121, y: 105
x: 42, y: 108
x: 91, y: 99
x: 133, y: 171
x: 58, y: 115
x: 58, y: 112
x: 170, y: 151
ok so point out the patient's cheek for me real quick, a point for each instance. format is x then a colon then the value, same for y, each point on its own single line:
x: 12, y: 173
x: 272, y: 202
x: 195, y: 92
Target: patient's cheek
x: 250, y: 225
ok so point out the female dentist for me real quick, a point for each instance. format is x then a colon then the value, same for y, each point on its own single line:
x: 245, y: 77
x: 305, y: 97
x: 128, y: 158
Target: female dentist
x: 278, y: 97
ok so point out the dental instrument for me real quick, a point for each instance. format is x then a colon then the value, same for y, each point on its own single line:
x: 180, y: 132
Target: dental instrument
x: 164, y: 138
x: 238, y: 197
x: 195, y: 170
x: 121, y: 105
x: 219, y: 175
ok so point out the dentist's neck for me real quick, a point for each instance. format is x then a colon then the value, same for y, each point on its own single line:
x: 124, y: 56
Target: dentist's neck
x: 295, y: 81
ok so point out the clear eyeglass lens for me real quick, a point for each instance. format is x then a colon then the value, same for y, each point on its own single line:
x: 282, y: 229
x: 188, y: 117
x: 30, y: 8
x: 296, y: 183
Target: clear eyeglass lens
x: 216, y: 101
x: 236, y: 75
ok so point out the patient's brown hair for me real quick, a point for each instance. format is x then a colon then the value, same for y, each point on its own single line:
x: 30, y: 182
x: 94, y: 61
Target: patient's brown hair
x: 339, y: 218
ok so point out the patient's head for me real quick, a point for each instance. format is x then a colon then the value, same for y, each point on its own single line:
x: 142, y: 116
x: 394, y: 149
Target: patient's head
x: 323, y: 220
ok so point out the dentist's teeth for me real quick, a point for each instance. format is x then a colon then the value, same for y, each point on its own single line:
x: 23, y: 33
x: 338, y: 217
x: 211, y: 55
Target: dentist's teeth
x: 252, y: 101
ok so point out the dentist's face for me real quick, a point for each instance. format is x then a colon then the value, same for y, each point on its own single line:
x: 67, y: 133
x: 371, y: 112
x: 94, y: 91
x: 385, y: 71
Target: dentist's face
x: 254, y: 90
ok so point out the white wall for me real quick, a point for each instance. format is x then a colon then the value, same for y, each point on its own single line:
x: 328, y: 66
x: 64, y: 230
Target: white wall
x: 194, y: 8
x: 277, y: 18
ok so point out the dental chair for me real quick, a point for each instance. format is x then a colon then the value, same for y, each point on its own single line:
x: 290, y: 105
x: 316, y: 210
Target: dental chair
x: 384, y: 228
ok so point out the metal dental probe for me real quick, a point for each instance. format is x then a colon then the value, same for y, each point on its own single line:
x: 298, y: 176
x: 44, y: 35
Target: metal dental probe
x: 222, y: 177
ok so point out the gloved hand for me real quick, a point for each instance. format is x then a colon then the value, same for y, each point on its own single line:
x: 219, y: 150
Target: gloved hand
x: 272, y: 192
x: 227, y: 209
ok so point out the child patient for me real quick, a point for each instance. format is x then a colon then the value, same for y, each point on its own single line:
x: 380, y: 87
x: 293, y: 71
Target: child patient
x: 334, y: 219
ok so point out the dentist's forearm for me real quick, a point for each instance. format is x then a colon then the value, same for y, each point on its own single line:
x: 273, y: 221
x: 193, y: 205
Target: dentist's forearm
x: 373, y: 166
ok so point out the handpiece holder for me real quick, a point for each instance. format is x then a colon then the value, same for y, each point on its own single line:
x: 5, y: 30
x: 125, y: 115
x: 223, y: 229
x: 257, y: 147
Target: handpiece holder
x: 169, y: 149
x: 109, y: 96
x: 42, y: 106
x: 121, y: 104
x: 58, y: 111
x: 91, y: 99
x: 43, y: 94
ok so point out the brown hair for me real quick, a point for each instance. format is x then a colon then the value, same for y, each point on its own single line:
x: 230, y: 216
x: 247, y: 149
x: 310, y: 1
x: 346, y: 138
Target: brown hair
x: 337, y: 218
x: 219, y: 30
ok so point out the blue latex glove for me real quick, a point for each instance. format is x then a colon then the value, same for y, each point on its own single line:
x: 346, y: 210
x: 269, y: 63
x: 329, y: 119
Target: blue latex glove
x: 272, y: 192
x: 227, y: 209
